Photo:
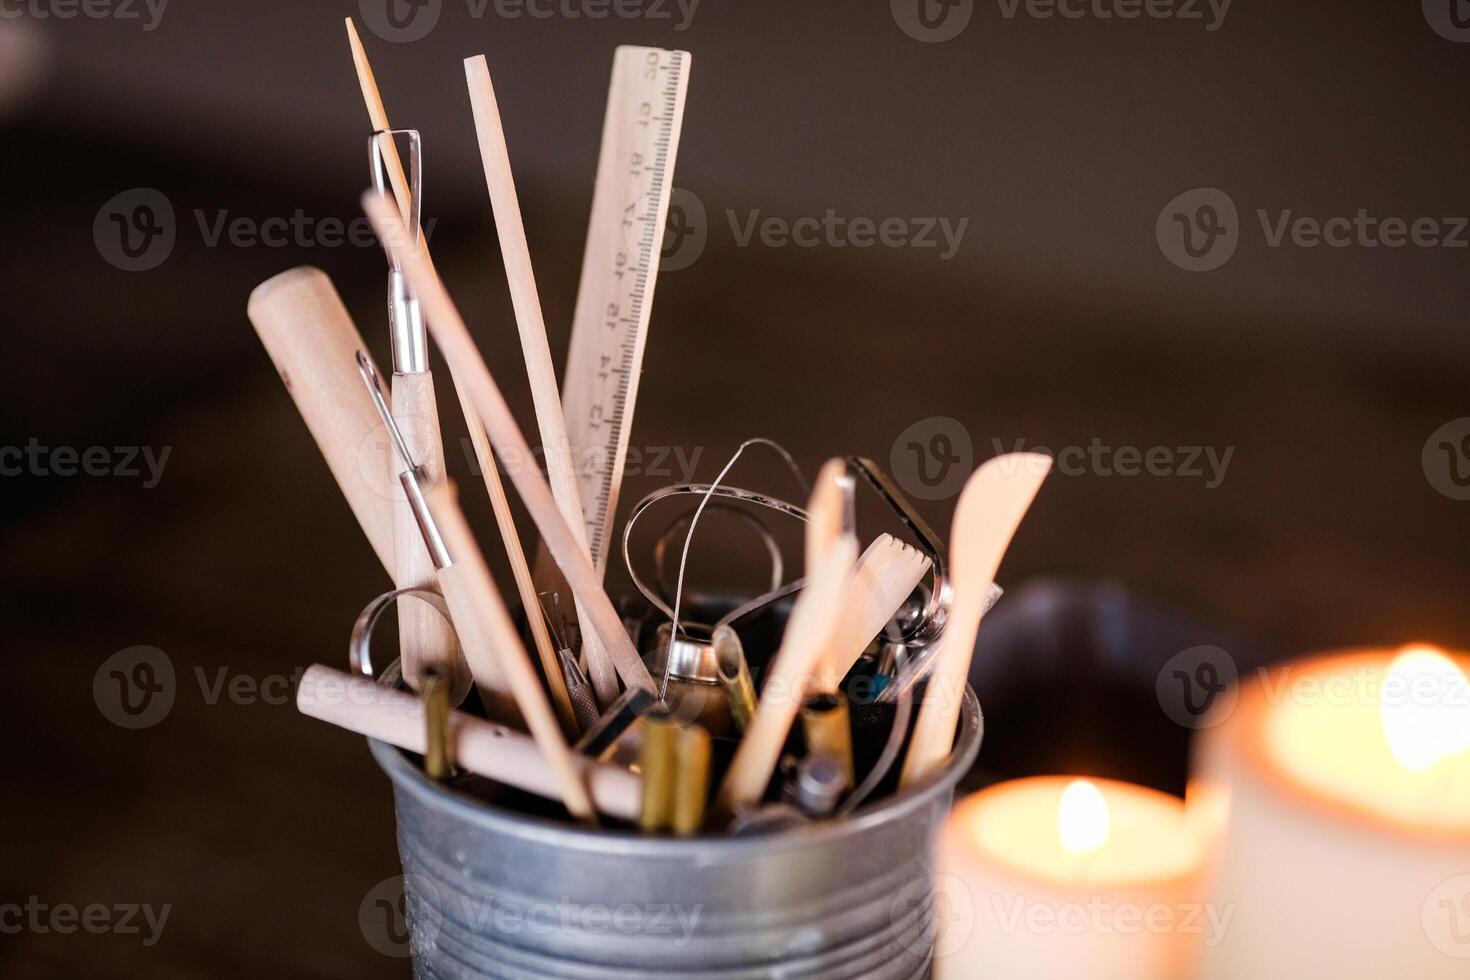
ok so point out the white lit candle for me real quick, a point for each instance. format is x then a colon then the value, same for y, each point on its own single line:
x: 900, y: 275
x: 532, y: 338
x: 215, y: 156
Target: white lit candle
x: 1062, y: 877
x: 1346, y: 852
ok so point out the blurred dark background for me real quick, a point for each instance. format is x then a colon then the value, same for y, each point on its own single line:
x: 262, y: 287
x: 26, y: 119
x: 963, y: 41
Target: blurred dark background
x: 1334, y: 377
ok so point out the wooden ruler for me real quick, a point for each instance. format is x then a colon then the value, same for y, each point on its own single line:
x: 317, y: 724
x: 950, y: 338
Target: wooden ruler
x: 630, y: 204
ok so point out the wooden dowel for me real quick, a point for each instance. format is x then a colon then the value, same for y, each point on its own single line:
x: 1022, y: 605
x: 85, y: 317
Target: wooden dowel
x: 991, y: 506
x: 789, y: 679
x: 494, y: 751
x: 886, y: 575
x: 530, y: 323
x: 313, y: 344
x: 455, y: 343
x: 823, y: 530
x: 525, y: 587
x: 503, y: 644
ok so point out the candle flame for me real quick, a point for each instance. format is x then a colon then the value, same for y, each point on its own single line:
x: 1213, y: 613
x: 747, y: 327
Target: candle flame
x: 1082, y: 817
x: 1425, y: 708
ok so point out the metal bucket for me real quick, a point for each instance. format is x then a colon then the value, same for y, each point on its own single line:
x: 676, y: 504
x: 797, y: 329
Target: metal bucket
x: 496, y: 893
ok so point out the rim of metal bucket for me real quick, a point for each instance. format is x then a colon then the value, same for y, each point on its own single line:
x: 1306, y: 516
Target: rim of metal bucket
x: 502, y: 820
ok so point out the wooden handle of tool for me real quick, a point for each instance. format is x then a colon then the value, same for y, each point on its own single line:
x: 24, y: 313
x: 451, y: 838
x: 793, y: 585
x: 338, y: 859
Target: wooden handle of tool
x: 360, y: 705
x: 500, y: 703
x: 423, y: 636
x: 313, y: 344
x: 886, y: 575
x: 503, y: 647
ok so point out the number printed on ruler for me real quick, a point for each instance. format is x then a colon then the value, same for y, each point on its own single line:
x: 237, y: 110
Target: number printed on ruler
x: 630, y: 204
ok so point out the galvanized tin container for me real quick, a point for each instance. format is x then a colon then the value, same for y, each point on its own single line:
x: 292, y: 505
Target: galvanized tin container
x: 496, y: 893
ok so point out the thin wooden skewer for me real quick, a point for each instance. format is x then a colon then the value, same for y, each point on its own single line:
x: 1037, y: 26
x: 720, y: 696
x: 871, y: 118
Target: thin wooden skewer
x: 530, y: 323
x: 499, y: 503
x: 810, y: 628
x: 886, y: 575
x: 494, y: 751
x: 823, y: 529
x: 491, y: 617
x: 453, y: 338
x: 995, y: 499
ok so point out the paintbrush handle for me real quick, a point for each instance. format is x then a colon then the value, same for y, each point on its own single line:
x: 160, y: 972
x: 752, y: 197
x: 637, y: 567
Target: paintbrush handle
x: 494, y: 751
x: 313, y: 344
x: 423, y: 636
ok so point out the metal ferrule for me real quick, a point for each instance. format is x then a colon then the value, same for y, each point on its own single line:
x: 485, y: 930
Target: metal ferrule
x: 406, y: 320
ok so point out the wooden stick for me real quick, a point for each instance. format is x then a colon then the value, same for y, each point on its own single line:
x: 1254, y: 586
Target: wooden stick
x: 516, y: 253
x: 494, y: 751
x: 454, y: 341
x: 499, y: 503
x: 504, y: 645
x: 995, y: 499
x: 886, y: 575
x: 313, y: 344
x: 505, y: 521
x: 823, y: 529
x: 810, y: 628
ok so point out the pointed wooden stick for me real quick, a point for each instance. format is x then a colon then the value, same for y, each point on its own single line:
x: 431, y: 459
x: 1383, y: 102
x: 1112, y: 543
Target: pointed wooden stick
x: 789, y: 679
x: 491, y: 618
x: 516, y: 253
x: 990, y: 509
x: 499, y: 503
x: 824, y: 517
x: 453, y: 338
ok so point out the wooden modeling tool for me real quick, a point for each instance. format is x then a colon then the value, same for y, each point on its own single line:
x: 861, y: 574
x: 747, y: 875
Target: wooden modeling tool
x: 826, y: 518
x: 361, y: 705
x: 484, y: 458
x: 789, y: 679
x: 995, y: 499
x: 453, y: 338
x: 886, y: 575
x: 492, y: 621
x: 561, y: 469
